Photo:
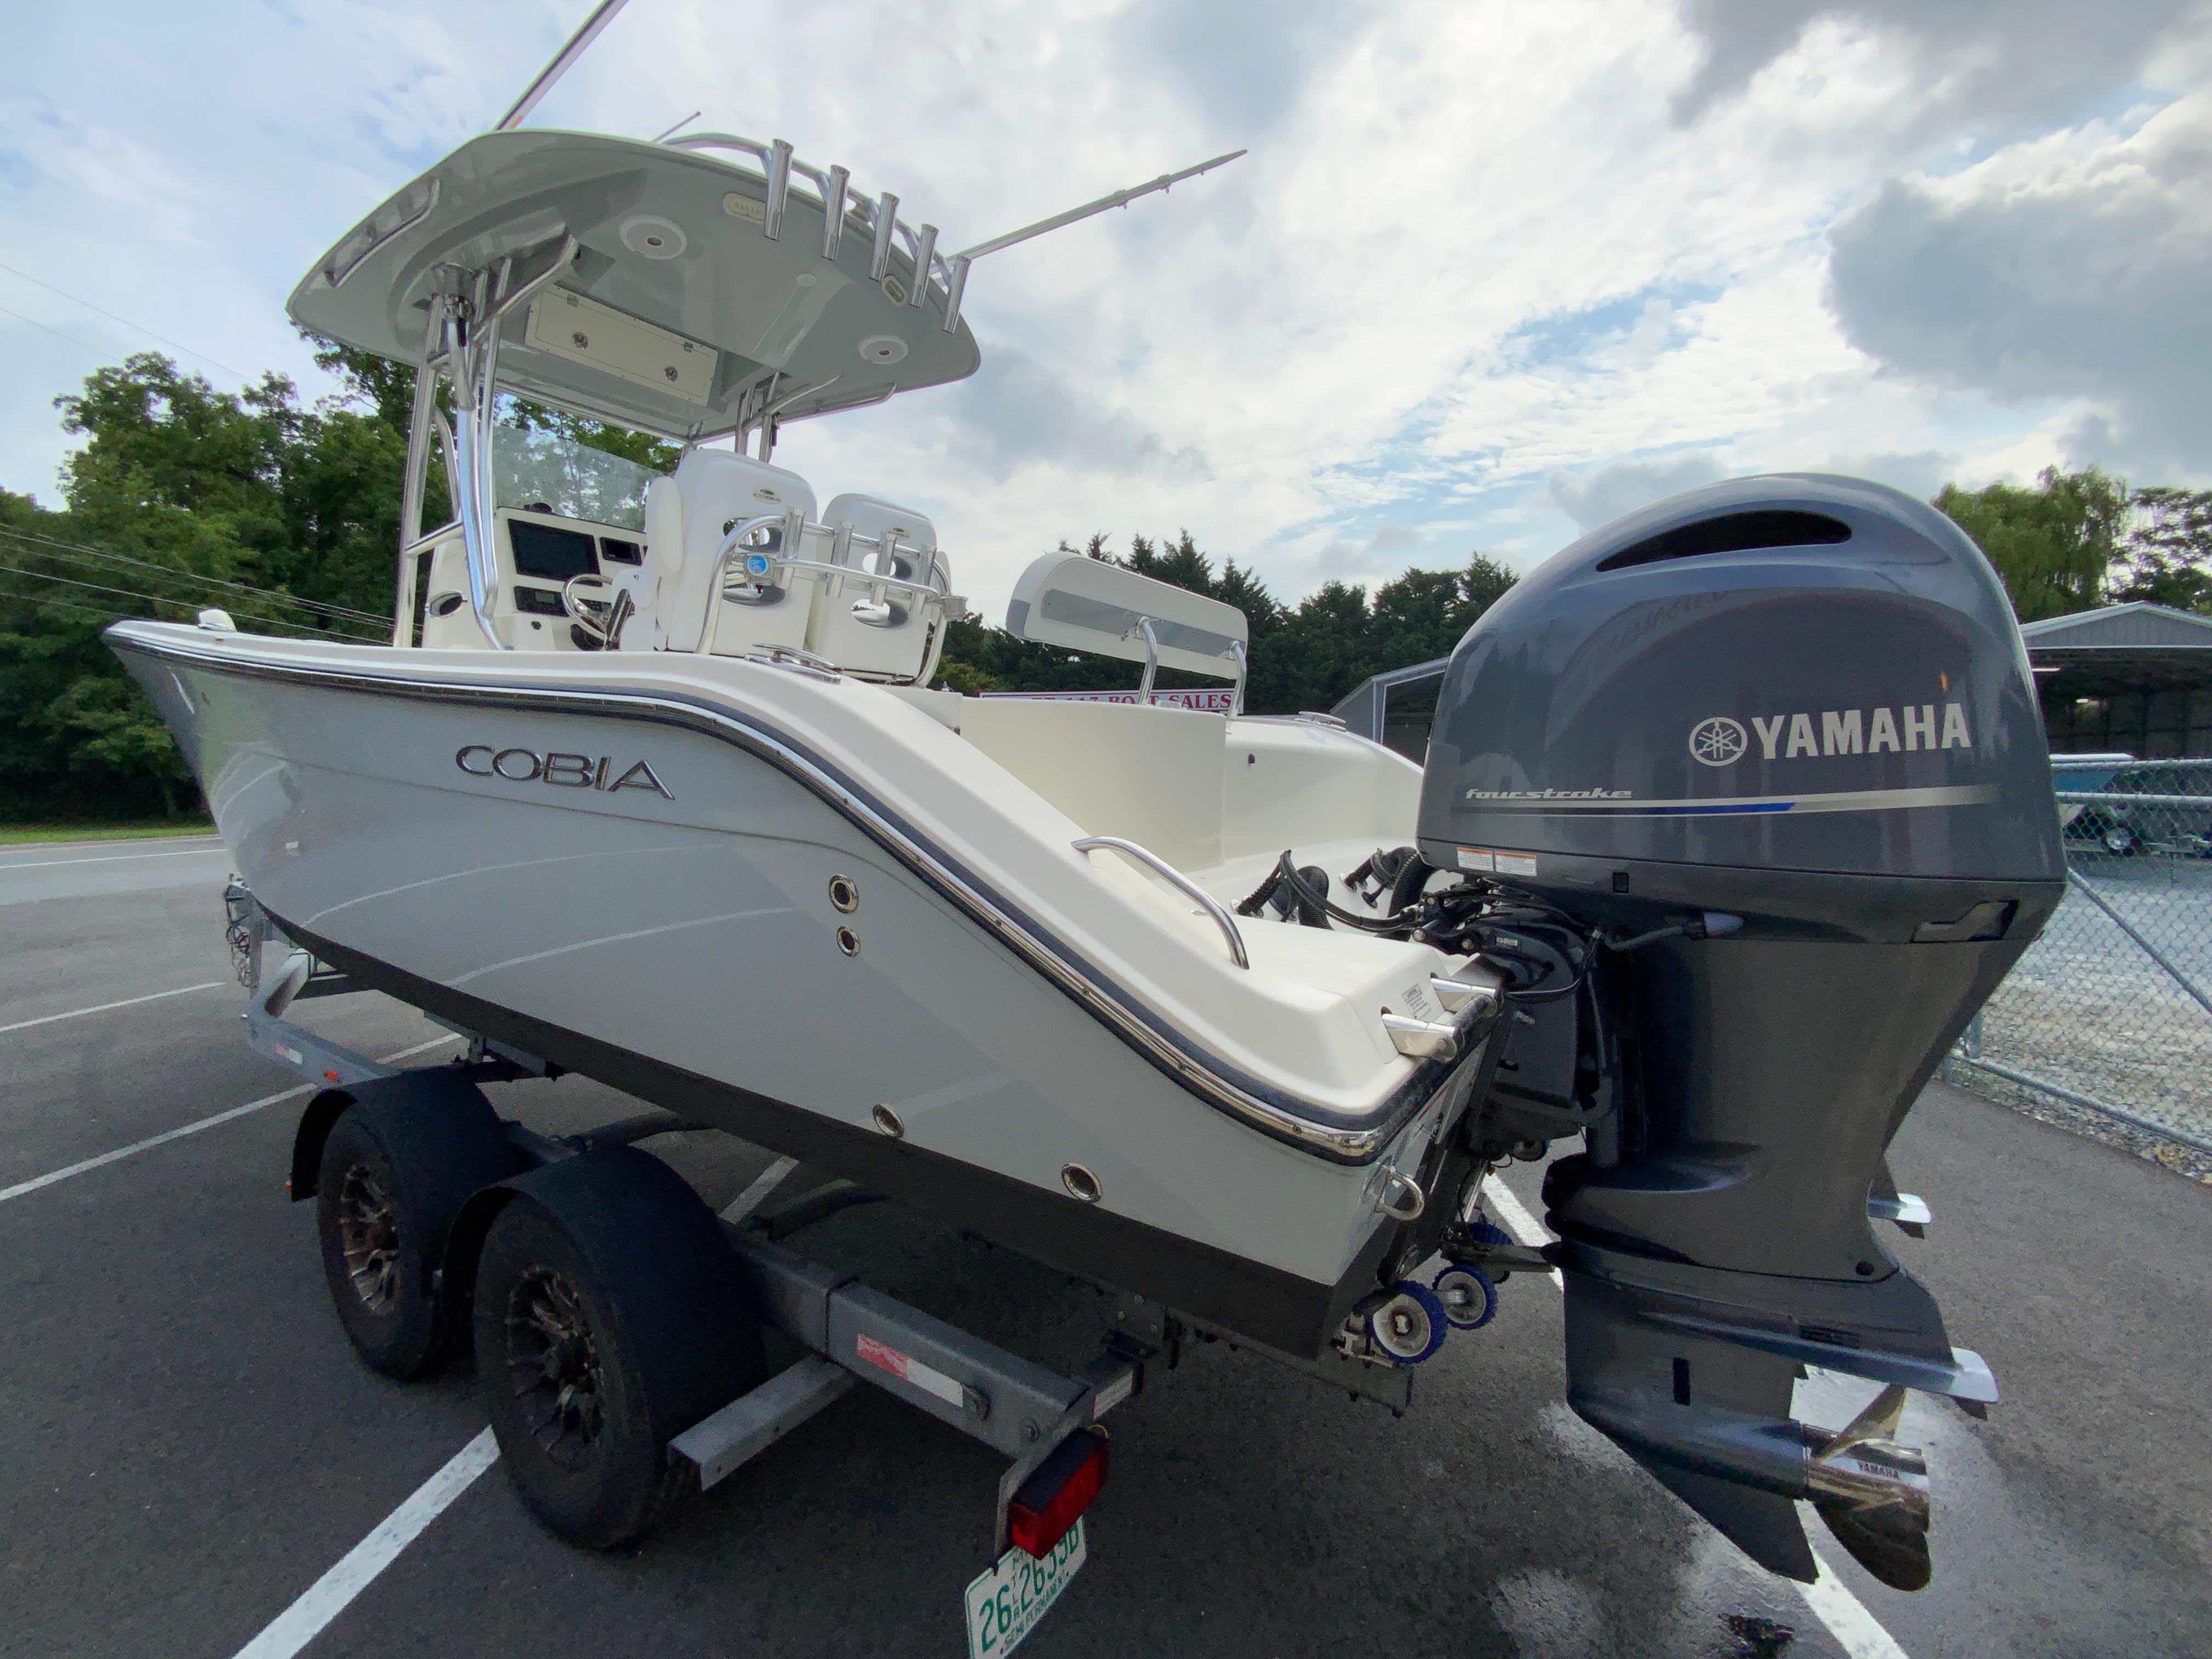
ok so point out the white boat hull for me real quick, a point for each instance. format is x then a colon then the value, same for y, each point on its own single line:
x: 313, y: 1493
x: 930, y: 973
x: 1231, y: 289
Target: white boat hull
x: 659, y: 914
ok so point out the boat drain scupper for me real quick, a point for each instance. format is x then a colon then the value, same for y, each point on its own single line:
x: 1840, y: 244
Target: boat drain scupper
x: 1080, y: 1183
x: 890, y: 1123
x: 848, y: 941
x: 844, y: 895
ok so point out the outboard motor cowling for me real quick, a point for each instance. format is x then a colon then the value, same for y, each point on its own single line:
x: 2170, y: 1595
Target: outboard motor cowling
x: 1774, y: 745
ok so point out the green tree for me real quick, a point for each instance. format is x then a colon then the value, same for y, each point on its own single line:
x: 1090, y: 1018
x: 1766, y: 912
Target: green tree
x: 2054, y: 544
x: 2168, y: 556
x: 1302, y: 657
x: 182, y: 496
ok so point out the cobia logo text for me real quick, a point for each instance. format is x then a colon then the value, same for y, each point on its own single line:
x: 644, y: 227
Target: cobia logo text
x: 1719, y: 741
x: 481, y: 760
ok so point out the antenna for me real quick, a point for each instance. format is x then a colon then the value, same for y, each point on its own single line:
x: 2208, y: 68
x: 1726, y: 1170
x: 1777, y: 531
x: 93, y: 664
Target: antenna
x: 956, y: 267
x: 601, y: 17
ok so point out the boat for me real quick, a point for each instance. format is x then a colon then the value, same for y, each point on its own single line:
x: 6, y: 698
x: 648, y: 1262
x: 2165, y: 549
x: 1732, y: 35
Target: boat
x: 1703, y: 874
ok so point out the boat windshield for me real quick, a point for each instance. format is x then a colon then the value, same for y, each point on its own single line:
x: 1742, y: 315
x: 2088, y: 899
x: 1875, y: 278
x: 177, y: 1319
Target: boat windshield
x: 547, y: 470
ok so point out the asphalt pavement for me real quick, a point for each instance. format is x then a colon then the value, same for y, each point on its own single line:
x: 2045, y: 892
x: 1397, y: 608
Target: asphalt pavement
x: 187, y: 1444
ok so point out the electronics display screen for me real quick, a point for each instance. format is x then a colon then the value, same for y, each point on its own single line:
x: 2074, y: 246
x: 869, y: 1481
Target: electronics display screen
x: 549, y: 554
x: 615, y: 550
x: 544, y: 601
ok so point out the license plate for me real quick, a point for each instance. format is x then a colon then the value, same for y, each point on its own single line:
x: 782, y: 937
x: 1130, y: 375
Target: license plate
x: 1005, y: 1603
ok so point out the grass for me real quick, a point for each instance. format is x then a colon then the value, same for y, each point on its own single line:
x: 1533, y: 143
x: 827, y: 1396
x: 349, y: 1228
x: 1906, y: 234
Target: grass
x: 28, y: 835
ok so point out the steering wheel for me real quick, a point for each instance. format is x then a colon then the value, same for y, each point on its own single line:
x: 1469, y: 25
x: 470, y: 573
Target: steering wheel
x: 591, y: 603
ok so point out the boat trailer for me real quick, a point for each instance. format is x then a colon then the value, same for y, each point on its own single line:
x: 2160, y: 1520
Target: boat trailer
x: 846, y: 1331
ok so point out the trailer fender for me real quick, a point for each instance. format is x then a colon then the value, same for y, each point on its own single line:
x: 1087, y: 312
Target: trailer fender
x: 688, y: 1307
x: 445, y: 1140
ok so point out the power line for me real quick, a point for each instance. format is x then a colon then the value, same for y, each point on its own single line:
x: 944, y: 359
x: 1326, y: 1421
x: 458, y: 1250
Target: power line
x: 157, y: 598
x: 191, y: 575
x: 125, y: 321
x: 315, y: 609
x: 270, y: 594
x: 113, y: 615
x: 97, y: 351
x: 105, y: 614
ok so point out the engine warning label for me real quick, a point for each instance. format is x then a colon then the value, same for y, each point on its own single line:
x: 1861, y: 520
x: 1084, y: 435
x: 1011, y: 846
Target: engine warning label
x: 1490, y: 860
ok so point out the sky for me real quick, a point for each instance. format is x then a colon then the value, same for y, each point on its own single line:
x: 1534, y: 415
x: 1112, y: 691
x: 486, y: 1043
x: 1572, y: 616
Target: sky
x: 1490, y: 274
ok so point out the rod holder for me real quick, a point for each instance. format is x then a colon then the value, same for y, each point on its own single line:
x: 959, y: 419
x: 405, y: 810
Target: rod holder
x: 956, y: 288
x: 779, y: 188
x: 880, y: 264
x: 924, y: 251
x: 833, y: 210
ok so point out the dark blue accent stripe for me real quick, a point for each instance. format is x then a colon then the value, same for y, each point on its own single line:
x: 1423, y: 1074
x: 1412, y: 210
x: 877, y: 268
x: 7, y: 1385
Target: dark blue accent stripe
x: 1732, y: 809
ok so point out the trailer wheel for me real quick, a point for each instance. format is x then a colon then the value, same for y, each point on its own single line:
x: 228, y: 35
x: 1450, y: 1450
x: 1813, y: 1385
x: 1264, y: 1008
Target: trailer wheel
x: 568, y: 1397
x: 372, y: 1253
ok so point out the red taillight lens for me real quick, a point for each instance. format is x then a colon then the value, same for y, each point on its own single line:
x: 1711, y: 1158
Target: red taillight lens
x: 1053, y: 1499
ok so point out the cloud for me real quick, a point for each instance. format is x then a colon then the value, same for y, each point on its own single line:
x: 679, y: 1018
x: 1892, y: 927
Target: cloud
x: 1921, y: 473
x: 1243, y: 63
x: 2025, y: 59
x: 1471, y: 254
x: 1624, y: 486
x: 1016, y: 411
x: 2076, y: 267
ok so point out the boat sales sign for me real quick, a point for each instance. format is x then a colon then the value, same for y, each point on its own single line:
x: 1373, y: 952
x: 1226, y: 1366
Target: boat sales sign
x: 1213, y: 699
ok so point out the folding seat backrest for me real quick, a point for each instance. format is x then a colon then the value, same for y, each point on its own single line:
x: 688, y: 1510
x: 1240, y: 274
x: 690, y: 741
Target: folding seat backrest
x: 851, y: 629
x: 871, y: 515
x: 686, y: 516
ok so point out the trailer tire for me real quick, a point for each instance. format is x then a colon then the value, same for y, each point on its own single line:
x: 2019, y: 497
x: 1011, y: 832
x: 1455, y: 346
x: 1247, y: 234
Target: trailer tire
x: 374, y: 1242
x: 611, y: 1315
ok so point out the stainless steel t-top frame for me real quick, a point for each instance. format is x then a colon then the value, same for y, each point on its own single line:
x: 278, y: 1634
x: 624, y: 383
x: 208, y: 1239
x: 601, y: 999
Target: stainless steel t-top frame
x: 469, y: 308
x: 461, y: 342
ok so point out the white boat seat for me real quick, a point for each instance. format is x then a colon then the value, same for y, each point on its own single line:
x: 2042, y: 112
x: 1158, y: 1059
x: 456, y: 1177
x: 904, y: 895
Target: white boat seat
x: 871, y: 515
x: 889, y: 636
x: 686, y: 516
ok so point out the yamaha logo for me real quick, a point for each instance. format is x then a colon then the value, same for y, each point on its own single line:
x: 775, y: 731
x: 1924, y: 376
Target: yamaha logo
x: 1718, y: 741
x: 481, y: 760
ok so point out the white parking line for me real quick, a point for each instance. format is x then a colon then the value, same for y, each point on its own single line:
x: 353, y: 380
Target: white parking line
x: 103, y: 1007
x: 1846, y: 1617
x: 328, y: 1596
x: 120, y: 858
x: 203, y: 841
x: 1857, y: 1631
x: 151, y: 1141
x: 763, y: 1183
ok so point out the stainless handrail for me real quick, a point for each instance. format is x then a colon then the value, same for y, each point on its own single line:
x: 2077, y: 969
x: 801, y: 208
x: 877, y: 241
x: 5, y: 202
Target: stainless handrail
x: 1236, y: 654
x: 854, y: 573
x: 733, y: 548
x: 1183, y: 883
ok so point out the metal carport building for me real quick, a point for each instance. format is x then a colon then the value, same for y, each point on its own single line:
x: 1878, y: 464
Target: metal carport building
x: 2132, y: 678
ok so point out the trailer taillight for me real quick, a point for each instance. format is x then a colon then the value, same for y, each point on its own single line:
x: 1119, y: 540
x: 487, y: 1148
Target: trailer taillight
x: 1053, y: 1499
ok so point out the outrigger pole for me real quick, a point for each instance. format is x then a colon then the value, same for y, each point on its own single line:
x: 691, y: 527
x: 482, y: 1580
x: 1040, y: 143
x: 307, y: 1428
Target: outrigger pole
x: 956, y: 267
x: 562, y: 60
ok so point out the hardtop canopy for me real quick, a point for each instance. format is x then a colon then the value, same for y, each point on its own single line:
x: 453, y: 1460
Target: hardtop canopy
x: 680, y: 313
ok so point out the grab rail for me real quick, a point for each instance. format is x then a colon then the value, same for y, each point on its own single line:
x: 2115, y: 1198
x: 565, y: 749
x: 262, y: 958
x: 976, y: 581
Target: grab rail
x: 796, y: 527
x: 1183, y: 883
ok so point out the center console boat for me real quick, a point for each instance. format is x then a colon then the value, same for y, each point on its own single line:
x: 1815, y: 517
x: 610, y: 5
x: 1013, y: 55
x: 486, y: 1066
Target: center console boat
x: 1231, y: 1013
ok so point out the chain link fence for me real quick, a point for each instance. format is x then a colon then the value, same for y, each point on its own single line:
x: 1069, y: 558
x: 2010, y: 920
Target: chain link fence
x: 2109, y: 1013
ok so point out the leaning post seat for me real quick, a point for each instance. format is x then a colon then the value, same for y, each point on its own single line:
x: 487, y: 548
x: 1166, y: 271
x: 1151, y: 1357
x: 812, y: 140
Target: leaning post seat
x: 686, y: 516
x: 890, y: 636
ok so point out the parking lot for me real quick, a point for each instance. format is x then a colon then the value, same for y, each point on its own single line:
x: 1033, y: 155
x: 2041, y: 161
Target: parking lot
x: 188, y: 1445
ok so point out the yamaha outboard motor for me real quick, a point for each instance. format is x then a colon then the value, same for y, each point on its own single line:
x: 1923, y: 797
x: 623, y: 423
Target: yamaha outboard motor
x: 1771, y: 750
